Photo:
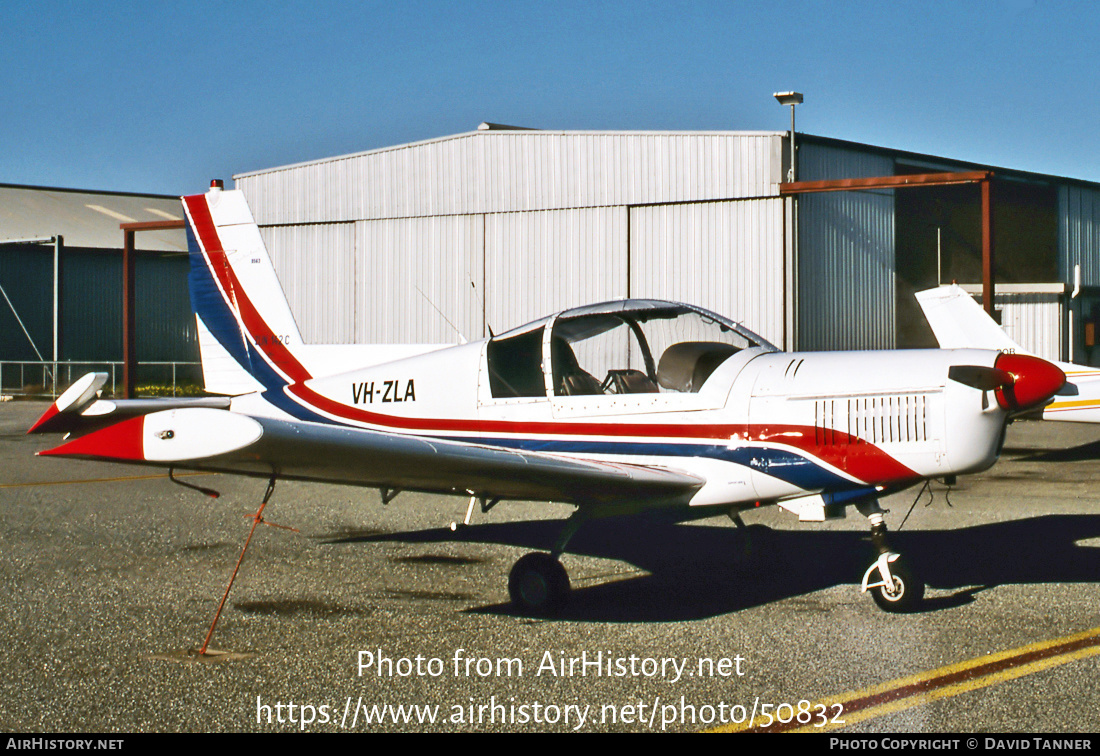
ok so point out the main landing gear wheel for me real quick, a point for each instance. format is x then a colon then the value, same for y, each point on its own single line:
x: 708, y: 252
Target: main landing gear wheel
x: 903, y: 592
x: 538, y: 584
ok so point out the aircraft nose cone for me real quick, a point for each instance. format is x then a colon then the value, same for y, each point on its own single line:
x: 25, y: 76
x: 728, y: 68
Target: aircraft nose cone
x: 1034, y: 380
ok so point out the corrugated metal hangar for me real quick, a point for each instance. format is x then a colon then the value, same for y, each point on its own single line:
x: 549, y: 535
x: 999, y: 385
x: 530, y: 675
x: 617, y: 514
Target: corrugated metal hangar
x: 73, y: 238
x: 495, y: 227
x: 489, y: 229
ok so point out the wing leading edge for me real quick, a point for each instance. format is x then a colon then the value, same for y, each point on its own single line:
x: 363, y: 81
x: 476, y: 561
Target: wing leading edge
x: 218, y: 440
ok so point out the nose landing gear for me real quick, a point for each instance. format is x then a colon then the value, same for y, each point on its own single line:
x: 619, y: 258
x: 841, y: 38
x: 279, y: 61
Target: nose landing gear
x: 892, y: 585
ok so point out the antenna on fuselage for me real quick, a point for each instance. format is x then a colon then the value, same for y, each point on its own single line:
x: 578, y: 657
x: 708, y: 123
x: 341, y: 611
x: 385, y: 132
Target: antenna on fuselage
x: 461, y: 338
x: 484, y: 315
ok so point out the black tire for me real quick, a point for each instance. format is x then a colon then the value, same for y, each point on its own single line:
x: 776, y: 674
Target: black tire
x: 907, y: 593
x: 538, y: 584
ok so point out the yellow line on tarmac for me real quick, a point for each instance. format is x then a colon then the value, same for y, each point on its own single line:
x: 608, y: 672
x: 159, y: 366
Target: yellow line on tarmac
x: 915, y: 690
x: 101, y: 480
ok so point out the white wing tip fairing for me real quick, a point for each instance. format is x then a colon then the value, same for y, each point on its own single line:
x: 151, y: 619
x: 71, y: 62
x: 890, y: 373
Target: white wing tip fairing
x: 165, y: 437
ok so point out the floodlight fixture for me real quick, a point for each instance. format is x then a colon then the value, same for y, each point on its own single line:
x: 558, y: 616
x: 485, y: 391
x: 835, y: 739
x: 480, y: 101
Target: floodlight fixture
x: 792, y: 99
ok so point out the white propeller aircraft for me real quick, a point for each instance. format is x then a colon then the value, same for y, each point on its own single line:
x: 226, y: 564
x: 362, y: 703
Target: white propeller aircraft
x: 959, y: 322
x: 622, y: 407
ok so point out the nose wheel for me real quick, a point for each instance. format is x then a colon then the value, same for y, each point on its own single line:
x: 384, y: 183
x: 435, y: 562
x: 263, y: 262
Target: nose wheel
x: 892, y: 584
x: 890, y: 581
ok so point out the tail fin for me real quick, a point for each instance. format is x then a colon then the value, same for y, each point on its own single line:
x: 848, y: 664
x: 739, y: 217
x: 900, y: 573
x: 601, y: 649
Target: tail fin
x: 960, y: 323
x: 248, y: 339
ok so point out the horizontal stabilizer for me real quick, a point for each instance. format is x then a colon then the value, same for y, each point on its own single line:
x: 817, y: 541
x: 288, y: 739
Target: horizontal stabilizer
x: 76, y: 398
x: 79, y: 410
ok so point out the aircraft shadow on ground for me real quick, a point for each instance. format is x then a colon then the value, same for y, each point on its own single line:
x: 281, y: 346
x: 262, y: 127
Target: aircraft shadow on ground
x: 1081, y: 453
x: 703, y: 571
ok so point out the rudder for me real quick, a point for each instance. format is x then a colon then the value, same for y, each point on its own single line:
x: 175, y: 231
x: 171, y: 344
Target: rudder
x: 248, y: 339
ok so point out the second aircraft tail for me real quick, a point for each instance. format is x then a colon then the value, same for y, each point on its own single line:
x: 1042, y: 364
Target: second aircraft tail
x: 958, y: 322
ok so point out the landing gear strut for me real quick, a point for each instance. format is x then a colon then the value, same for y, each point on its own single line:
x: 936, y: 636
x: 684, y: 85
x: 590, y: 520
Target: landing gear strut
x: 892, y: 584
x: 538, y: 583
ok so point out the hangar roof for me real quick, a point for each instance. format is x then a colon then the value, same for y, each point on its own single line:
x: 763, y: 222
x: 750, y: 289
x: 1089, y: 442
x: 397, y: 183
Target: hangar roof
x: 514, y: 170
x: 87, y: 218
x: 493, y: 130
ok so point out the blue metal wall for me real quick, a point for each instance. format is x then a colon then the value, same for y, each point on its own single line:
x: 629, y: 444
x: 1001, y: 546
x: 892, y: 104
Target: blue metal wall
x: 846, y: 258
x: 91, y: 305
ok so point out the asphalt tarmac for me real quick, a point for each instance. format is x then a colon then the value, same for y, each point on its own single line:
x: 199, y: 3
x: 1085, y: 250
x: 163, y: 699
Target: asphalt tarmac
x: 380, y: 618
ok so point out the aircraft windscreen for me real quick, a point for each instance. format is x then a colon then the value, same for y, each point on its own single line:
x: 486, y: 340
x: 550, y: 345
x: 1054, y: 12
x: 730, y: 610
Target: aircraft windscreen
x: 648, y: 350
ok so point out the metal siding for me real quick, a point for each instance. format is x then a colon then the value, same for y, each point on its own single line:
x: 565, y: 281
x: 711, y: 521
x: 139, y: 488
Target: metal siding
x: 486, y: 172
x: 1034, y: 321
x: 1079, y: 234
x: 537, y: 263
x: 26, y: 275
x: 316, y: 267
x: 165, y: 322
x: 413, y: 280
x: 724, y: 256
x: 91, y: 305
x: 92, y: 298
x: 846, y: 256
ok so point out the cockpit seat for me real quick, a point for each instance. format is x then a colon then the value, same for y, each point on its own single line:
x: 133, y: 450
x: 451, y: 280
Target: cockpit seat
x: 686, y: 366
x: 569, y: 378
x: 628, y: 381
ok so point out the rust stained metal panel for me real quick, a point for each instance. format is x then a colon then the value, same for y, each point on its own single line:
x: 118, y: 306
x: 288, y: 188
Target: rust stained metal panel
x: 885, y: 182
x: 725, y: 256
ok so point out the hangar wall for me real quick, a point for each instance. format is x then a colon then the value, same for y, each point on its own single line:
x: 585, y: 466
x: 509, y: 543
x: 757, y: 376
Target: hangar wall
x: 513, y: 171
x: 91, y: 307
x: 1079, y: 244
x: 725, y: 256
x: 1079, y: 233
x: 492, y: 229
x: 846, y: 259
x: 90, y: 284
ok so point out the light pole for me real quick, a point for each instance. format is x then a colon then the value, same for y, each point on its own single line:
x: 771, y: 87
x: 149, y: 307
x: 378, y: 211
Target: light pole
x: 790, y: 252
x: 792, y: 99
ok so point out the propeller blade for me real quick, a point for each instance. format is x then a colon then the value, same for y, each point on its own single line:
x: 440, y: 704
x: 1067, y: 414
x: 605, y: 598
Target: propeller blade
x: 980, y: 377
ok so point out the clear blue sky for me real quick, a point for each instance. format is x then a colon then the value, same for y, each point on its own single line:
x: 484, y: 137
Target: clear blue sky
x: 161, y: 97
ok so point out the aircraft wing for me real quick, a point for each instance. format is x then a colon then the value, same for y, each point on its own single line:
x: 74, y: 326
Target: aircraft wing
x: 205, y: 438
